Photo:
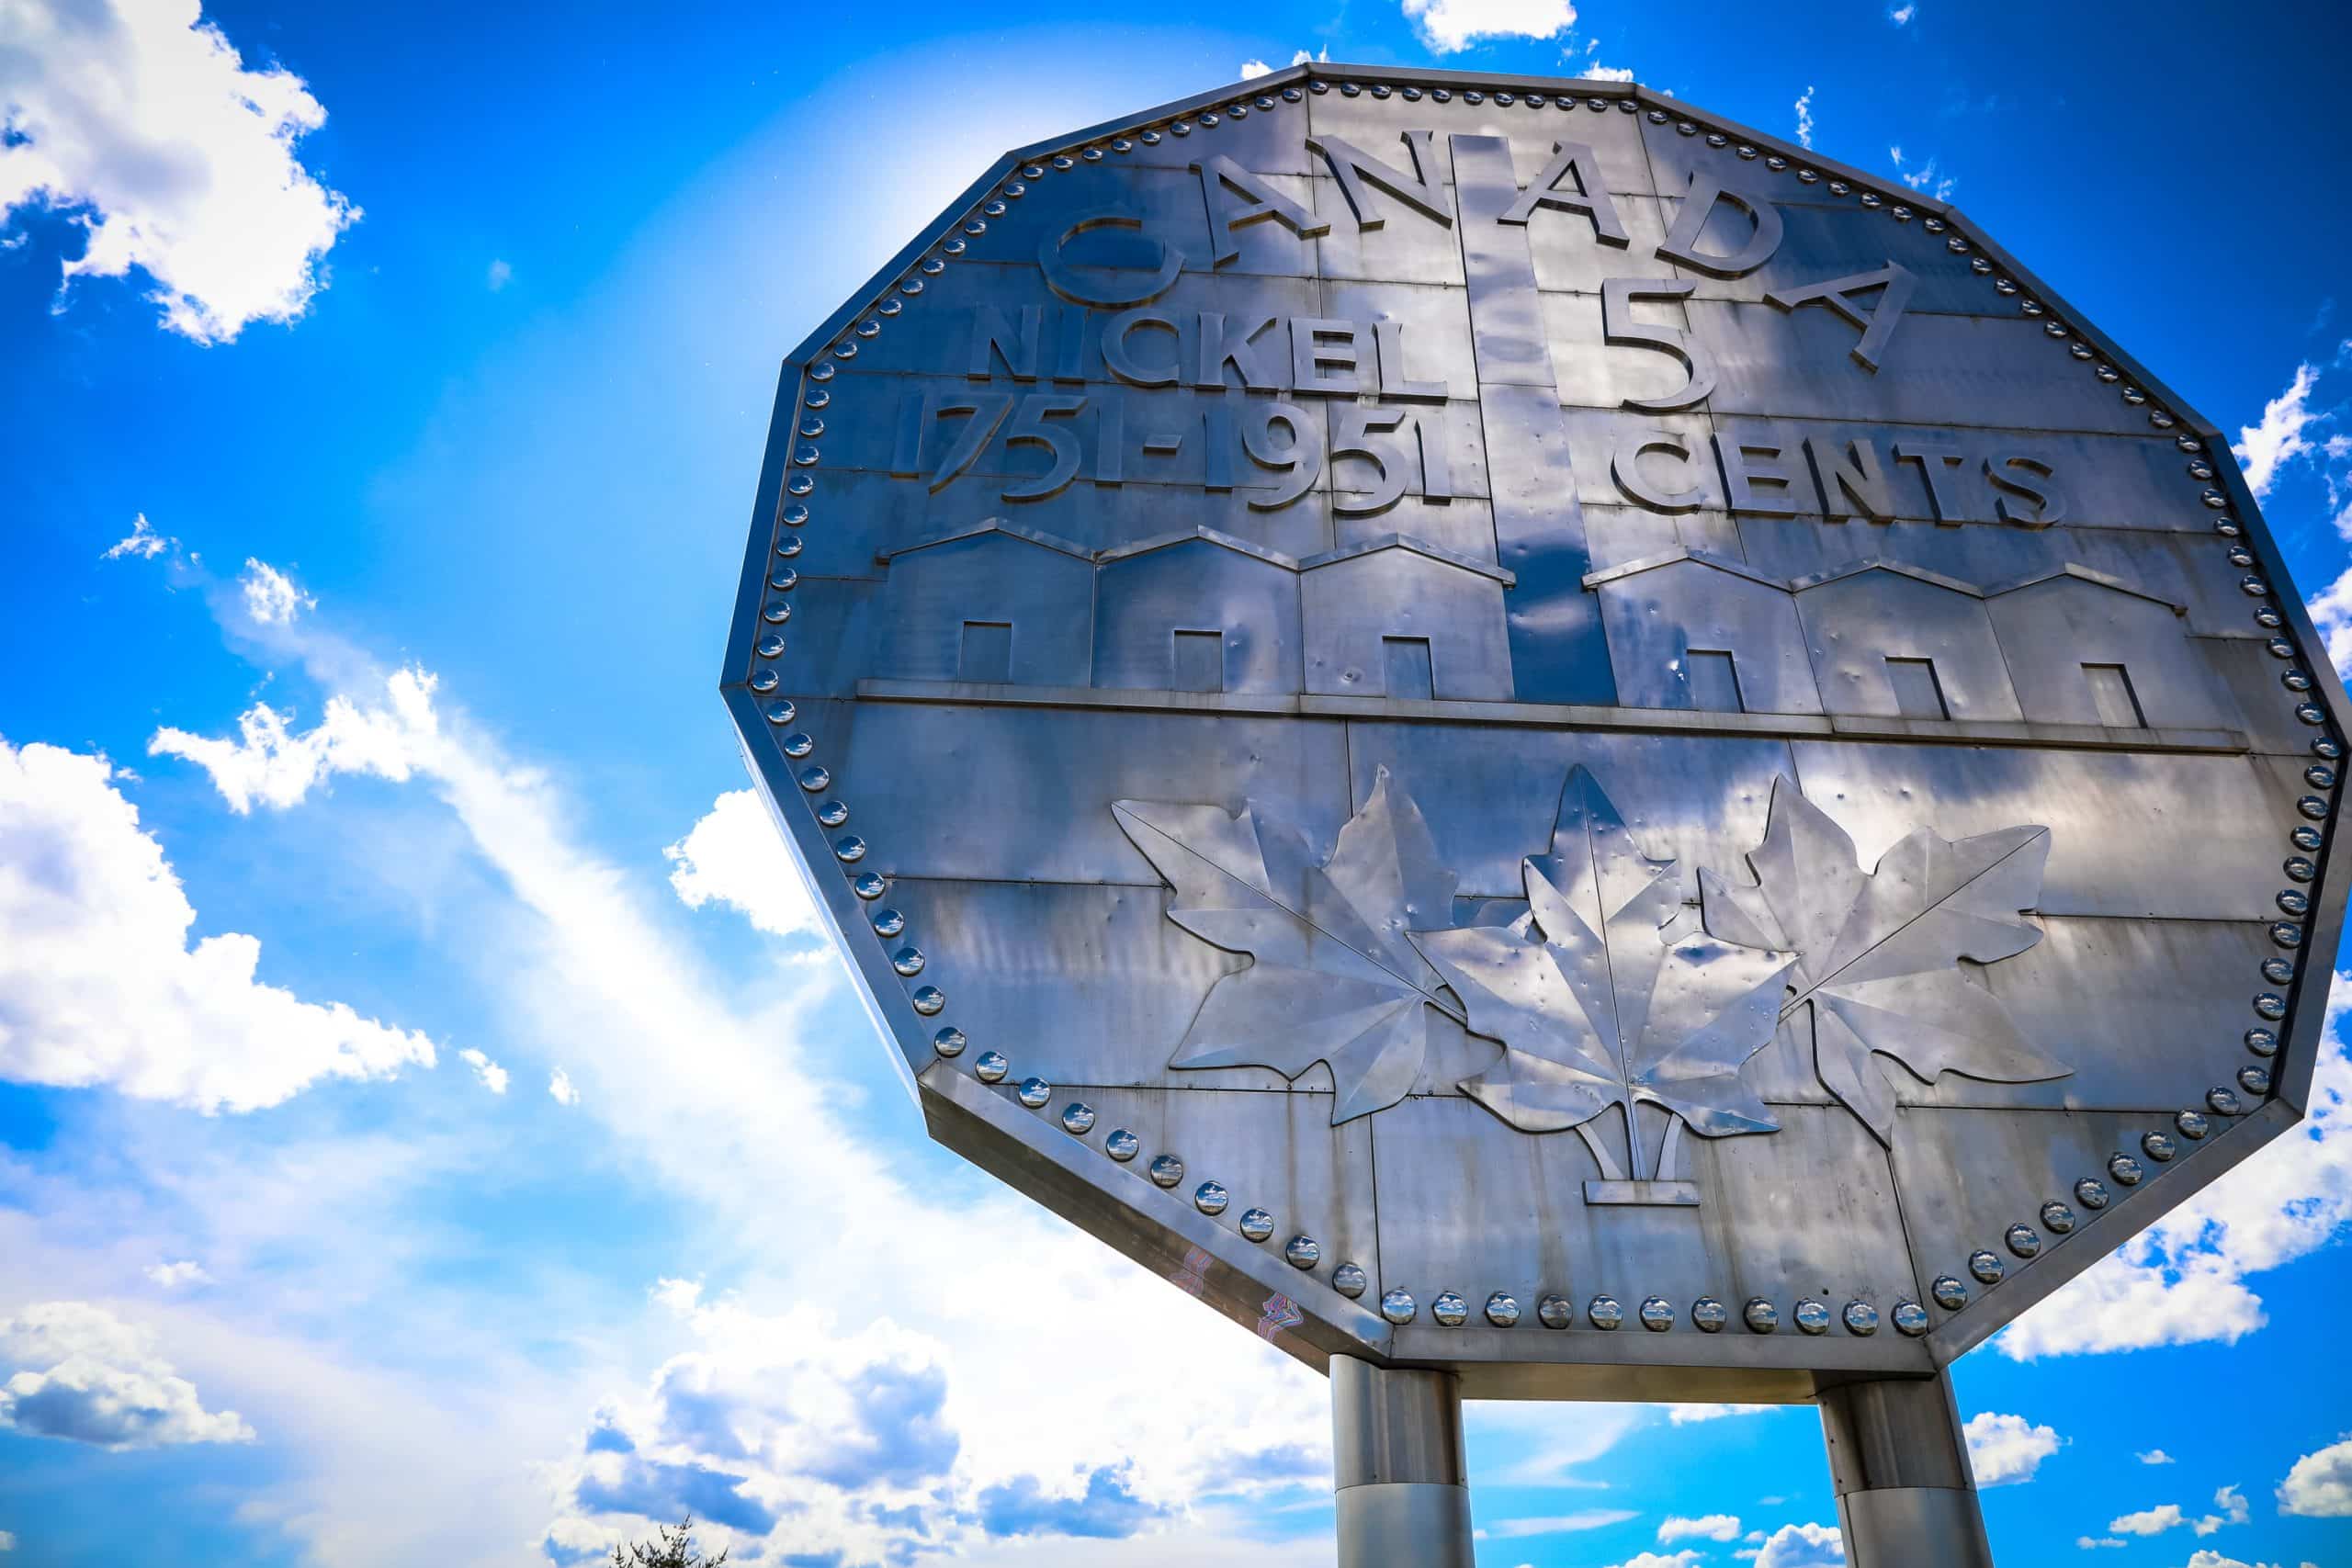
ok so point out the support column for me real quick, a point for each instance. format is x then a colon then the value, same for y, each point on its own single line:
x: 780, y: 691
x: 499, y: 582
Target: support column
x: 1402, y: 1492
x: 1905, y: 1495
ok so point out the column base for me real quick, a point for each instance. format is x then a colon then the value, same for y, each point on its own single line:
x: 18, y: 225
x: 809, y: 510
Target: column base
x: 1913, y: 1527
x: 1405, y: 1524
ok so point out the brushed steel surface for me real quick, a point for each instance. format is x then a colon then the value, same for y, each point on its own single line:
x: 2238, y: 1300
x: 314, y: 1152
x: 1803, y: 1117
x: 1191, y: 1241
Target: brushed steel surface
x: 1369, y: 450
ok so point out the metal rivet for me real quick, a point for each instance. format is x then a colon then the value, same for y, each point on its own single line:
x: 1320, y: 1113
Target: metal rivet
x: 2311, y: 713
x: 929, y: 999
x: 1121, y: 1146
x: 1182, y: 128
x: 2091, y: 1194
x: 1776, y: 163
x: 1685, y: 127
x: 2305, y: 838
x: 2254, y: 1081
x: 776, y: 614
x: 1718, y: 139
x: 764, y: 679
x: 1257, y: 1225
x: 1450, y: 1310
x: 1350, y: 1280
x: 2227, y: 527
x: 2225, y: 1103
x: 2125, y: 1169
x: 1379, y: 90
x: 1809, y: 176
x: 1709, y: 1316
x: 1861, y: 1319
x: 1554, y: 1311
x: 770, y: 646
x: 1949, y: 1292
x: 2253, y: 587
x: 1396, y: 1306
x: 1910, y: 1319
x: 1077, y: 1119
x: 2314, y: 807
x: 1064, y: 162
x: 2294, y: 901
x: 2053, y: 329
x: 2296, y: 681
x: 2133, y: 396
x: 1121, y: 144
x: 978, y: 226
x: 1761, y: 1316
x: 784, y: 579
x: 908, y: 961
x: 820, y: 371
x: 1302, y: 1252
x: 2270, y: 1005
x: 849, y: 849
x: 1441, y: 94
x: 2278, y: 970
x: 1870, y: 199
x: 1150, y: 139
x: 1933, y: 225
x: 832, y: 813
x: 812, y: 427
x: 846, y: 350
x: 793, y: 515
x: 869, y: 886
x: 1035, y: 171
x: 2279, y: 647
x: 1034, y: 1093
x: 816, y: 778
x: 1987, y: 1267
x: 1290, y: 94
x: 2262, y: 1041
x: 1265, y: 103
x: 2160, y: 418
x: 1899, y: 212
x: 800, y: 743
x: 2239, y: 556
x: 2193, y: 1124
x: 2323, y: 746
x: 2022, y: 1240
x: 1210, y: 1198
x: 990, y: 1066
x: 1657, y: 1315
x: 2299, y: 869
x: 1811, y: 1316
x: 1533, y: 100
x: 799, y: 484
x: 2080, y: 351
x: 1167, y: 1171
x: 2057, y: 1219
x: 949, y: 1042
x: 1472, y: 95
x: 911, y: 286
x: 1601, y: 1311
x: 1502, y: 1309
x: 781, y: 713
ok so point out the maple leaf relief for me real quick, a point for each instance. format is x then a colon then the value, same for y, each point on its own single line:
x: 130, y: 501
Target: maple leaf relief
x: 1596, y: 1009
x: 1878, y: 951
x: 1334, y: 979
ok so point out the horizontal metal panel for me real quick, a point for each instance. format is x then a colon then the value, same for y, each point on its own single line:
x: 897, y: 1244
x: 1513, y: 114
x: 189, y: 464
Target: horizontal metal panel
x: 1841, y: 240
x: 2176, y: 837
x: 1044, y: 780
x: 1622, y: 535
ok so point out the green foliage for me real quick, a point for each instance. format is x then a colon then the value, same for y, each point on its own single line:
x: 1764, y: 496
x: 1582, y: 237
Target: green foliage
x: 669, y: 1549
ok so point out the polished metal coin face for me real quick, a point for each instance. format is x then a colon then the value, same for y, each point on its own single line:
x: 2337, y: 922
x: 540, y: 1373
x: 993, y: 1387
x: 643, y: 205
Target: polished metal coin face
x: 1212, y: 735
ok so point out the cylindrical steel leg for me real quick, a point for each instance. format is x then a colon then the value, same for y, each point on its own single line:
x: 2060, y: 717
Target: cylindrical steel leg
x: 1905, y: 1496
x: 1397, y: 1448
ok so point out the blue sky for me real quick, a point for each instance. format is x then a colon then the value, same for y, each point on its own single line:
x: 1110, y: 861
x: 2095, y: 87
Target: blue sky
x: 384, y: 393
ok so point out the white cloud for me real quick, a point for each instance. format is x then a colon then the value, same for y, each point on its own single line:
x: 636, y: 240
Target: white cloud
x: 492, y: 1075
x: 1448, y: 27
x: 2169, y: 1515
x: 1684, y: 1414
x: 270, y: 764
x: 1901, y: 15
x: 1254, y: 69
x: 1801, y: 1546
x: 142, y: 121
x: 2005, y: 1449
x: 735, y: 855
x: 86, y: 1376
x: 2184, y: 1279
x: 7, y: 1542
x: 559, y: 1086
x: 500, y: 275
x: 2320, y: 1485
x: 1707, y: 1527
x: 1606, y: 74
x: 271, y: 598
x: 2277, y: 439
x: 1557, y: 1524
x: 2332, y: 618
x: 2205, y: 1558
x: 98, y: 984
x: 171, y: 1276
x: 2092, y: 1542
x: 142, y: 541
x: 1804, y: 116
x: 1922, y: 176
x: 2156, y: 1456
x: 1685, y: 1558
x: 1302, y: 58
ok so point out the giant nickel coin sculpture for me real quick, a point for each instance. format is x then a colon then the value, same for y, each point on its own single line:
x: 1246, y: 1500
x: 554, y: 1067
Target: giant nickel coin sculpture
x: 1544, y: 748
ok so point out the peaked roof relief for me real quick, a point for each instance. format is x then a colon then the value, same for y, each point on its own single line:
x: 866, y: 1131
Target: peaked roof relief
x: 1405, y: 542
x: 1874, y: 563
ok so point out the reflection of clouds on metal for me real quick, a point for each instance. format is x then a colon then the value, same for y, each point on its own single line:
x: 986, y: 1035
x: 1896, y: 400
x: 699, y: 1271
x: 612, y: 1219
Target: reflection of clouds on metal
x: 1353, y: 459
x: 1278, y: 1312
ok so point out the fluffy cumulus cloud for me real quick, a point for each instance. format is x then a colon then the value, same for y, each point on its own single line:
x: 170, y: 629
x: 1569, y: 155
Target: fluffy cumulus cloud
x: 2268, y: 445
x: 1684, y: 1414
x: 171, y: 1276
x: 560, y: 1089
x: 2320, y: 1485
x: 2156, y: 1456
x: 1687, y: 1558
x: 735, y: 856
x: 2331, y: 610
x: 492, y: 1076
x: 2184, y: 1279
x: 1448, y: 27
x: 99, y: 985
x: 2005, y: 1449
x: 143, y: 122
x: 1799, y: 1546
x: 2229, y: 1505
x: 1707, y: 1527
x: 1924, y: 177
x: 1804, y: 116
x: 271, y: 597
x: 1901, y: 15
x: 84, y: 1375
x: 1254, y: 69
x: 272, y: 764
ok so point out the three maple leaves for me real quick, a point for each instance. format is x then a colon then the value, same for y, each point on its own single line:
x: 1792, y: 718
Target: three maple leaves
x: 1595, y: 1004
